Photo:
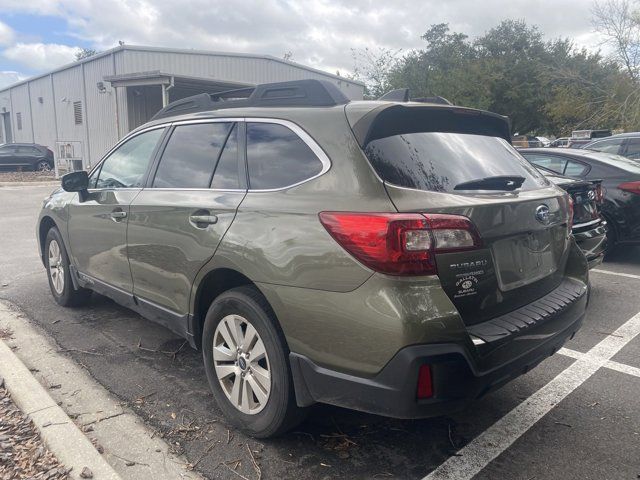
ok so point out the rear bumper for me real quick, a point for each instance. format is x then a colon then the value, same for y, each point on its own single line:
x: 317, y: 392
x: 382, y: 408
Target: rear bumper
x: 509, y: 348
x: 592, y: 240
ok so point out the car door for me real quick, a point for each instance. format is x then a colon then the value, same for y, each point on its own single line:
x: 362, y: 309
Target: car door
x: 8, y: 155
x: 178, y: 220
x: 97, y: 226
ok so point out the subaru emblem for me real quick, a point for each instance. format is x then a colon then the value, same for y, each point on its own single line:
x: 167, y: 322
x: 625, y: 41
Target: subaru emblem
x: 542, y: 214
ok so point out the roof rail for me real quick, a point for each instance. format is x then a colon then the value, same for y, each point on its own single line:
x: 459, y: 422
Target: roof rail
x: 297, y: 93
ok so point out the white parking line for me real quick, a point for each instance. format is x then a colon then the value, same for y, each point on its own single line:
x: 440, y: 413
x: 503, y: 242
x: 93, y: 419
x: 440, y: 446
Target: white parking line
x: 620, y: 274
x: 476, y: 455
x: 610, y: 364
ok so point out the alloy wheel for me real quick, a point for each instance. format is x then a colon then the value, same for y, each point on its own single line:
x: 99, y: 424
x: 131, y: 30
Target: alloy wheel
x: 56, y: 268
x: 241, y: 364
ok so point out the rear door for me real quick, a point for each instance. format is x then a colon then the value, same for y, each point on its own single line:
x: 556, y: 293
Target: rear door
x: 8, y: 155
x: 521, y: 219
x: 178, y: 220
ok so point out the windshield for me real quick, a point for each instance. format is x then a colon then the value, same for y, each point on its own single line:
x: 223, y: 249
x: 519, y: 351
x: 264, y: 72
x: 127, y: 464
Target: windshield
x: 439, y: 161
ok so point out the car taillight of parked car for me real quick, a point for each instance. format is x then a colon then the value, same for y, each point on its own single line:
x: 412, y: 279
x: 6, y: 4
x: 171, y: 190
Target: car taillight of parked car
x: 400, y: 243
x: 599, y: 194
x: 631, y: 187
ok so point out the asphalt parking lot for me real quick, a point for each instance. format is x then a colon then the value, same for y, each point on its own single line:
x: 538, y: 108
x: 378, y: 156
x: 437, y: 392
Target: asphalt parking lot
x: 575, y: 416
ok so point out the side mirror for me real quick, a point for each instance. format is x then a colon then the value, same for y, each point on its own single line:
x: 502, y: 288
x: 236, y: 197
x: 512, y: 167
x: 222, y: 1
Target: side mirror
x: 75, y: 181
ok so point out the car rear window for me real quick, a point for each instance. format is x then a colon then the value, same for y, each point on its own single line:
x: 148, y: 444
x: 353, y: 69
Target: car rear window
x: 438, y: 161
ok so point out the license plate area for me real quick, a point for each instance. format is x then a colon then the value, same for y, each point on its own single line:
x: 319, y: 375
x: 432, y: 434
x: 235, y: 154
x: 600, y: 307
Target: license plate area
x: 525, y: 258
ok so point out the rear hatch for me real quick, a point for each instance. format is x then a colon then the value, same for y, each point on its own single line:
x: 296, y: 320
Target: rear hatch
x: 469, y: 168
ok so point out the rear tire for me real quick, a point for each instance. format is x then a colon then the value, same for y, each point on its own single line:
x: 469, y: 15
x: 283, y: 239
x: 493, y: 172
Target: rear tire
x: 42, y: 166
x: 259, y: 407
x: 57, y: 264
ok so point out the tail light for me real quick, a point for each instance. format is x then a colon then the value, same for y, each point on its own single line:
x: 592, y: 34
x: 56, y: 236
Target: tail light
x: 599, y: 193
x: 570, y: 221
x: 425, y: 383
x: 631, y: 187
x: 399, y: 243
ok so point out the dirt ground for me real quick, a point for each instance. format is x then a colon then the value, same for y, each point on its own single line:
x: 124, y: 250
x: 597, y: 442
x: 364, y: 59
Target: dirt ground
x: 6, y: 176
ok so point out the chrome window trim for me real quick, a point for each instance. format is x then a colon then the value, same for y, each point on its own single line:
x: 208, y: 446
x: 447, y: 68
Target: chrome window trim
x: 295, y: 128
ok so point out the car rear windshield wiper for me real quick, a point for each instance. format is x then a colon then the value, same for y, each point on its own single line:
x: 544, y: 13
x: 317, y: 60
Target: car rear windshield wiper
x: 499, y: 182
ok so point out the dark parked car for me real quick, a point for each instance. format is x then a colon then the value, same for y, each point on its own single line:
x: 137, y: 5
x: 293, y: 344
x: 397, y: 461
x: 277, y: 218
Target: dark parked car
x: 625, y: 144
x: 398, y: 258
x: 26, y: 155
x: 620, y: 181
x: 589, y: 226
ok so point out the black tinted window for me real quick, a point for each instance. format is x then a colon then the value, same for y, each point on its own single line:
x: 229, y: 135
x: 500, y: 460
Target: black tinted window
x: 607, y: 146
x: 190, y: 155
x: 633, y: 148
x: 277, y: 157
x: 126, y: 166
x: 226, y: 174
x: 439, y: 161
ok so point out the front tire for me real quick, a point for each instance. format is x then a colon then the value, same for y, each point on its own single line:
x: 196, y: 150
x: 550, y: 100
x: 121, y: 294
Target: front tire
x: 246, y: 361
x: 57, y: 265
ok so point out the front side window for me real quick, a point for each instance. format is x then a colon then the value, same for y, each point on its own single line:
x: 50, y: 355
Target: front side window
x: 277, y: 157
x: 191, y: 154
x: 450, y: 162
x: 607, y: 146
x: 126, y: 166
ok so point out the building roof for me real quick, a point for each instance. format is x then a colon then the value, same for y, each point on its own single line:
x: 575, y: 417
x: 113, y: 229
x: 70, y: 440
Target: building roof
x: 184, y: 51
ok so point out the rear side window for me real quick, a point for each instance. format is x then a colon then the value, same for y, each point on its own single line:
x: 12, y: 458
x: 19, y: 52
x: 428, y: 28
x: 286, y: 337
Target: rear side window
x: 439, y: 161
x: 607, y: 146
x: 277, y: 157
x: 191, y: 154
x: 226, y: 174
x: 575, y: 169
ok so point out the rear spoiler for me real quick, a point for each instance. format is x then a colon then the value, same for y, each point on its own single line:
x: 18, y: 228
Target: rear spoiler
x: 397, y: 119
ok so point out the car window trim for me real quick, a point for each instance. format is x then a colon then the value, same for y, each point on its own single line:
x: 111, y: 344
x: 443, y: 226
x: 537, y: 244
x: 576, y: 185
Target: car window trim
x: 305, y: 137
x: 242, y: 146
x: 98, y: 167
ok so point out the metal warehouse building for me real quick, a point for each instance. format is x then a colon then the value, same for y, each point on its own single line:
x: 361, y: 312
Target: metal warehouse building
x: 80, y: 110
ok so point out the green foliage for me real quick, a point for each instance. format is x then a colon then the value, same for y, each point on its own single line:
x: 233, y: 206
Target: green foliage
x: 544, y: 87
x: 85, y: 53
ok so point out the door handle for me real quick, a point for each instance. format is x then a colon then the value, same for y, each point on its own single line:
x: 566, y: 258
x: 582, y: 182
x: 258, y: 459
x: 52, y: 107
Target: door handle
x: 118, y: 215
x: 202, y: 221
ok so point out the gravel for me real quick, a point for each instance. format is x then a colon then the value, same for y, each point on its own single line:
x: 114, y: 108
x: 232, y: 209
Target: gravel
x: 27, y: 176
x: 23, y: 455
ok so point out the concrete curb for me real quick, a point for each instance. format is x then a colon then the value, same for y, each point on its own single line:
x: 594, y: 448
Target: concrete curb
x: 30, y: 184
x: 57, y: 430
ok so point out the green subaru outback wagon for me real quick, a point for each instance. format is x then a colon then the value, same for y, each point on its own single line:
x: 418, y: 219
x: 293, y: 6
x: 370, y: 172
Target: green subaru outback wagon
x: 394, y: 257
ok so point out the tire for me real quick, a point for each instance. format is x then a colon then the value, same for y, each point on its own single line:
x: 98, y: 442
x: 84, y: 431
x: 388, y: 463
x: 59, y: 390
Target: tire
x: 57, y: 264
x: 42, y: 166
x: 246, y: 308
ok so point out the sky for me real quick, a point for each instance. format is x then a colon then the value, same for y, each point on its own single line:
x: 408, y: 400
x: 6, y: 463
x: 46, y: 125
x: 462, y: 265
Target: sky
x: 39, y: 35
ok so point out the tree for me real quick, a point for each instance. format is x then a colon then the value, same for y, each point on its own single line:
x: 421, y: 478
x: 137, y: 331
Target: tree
x: 85, y: 53
x: 618, y: 21
x: 373, y: 67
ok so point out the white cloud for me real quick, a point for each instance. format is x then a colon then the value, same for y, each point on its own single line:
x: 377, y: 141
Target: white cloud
x: 40, y: 56
x: 319, y: 33
x: 6, y: 34
x: 9, y: 78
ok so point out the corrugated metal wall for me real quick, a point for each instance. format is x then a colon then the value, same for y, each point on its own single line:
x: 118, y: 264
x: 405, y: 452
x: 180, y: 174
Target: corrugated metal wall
x: 227, y: 68
x: 43, y: 111
x: 101, y: 119
x: 46, y: 104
